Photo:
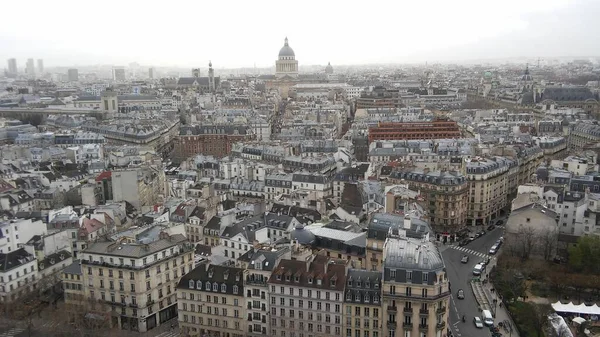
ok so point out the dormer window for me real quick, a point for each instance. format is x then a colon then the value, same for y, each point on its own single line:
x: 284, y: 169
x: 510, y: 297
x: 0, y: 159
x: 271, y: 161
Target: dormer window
x: 318, y: 281
x: 376, y: 285
x: 287, y: 278
x: 235, y: 290
x: 375, y: 299
x: 207, y: 286
x: 348, y: 296
x: 367, y: 298
x: 357, y: 297
x: 349, y: 283
x: 296, y: 279
x: 278, y: 277
x: 225, y: 275
x: 192, y: 284
x: 310, y: 280
x: 199, y: 285
x: 215, y: 287
x: 368, y: 284
x: 237, y: 277
x: 358, y: 283
x: 223, y: 288
x: 210, y: 273
x: 332, y: 283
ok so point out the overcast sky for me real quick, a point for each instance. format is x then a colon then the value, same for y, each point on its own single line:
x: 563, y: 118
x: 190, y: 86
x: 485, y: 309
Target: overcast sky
x: 244, y: 33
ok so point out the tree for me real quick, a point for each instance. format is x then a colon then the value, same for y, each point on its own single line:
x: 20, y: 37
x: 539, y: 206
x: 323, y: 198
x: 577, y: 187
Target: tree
x: 556, y: 278
x: 585, y: 256
x: 539, y: 317
x: 523, y: 242
x: 549, y: 241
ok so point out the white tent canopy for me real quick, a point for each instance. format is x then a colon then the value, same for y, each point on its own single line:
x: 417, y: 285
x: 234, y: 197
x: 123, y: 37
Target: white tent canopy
x: 581, y: 309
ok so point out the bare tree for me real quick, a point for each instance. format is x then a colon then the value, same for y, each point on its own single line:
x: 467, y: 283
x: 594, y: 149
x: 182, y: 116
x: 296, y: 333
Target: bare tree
x: 549, y: 242
x: 523, y: 243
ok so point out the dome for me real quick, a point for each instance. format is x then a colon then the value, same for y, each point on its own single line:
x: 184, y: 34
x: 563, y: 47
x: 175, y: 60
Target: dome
x: 329, y: 68
x: 303, y: 236
x: 487, y: 74
x: 286, y: 50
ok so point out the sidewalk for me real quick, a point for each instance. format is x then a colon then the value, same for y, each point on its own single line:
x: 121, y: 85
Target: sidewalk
x: 499, y: 312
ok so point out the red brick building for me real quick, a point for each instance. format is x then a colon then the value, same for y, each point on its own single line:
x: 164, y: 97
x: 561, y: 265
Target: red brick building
x: 214, y: 140
x: 437, y: 129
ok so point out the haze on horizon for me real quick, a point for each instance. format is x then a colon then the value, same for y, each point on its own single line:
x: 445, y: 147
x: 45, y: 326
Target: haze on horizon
x: 243, y: 34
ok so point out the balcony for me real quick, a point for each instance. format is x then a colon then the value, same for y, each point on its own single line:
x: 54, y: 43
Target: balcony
x: 441, y: 310
x: 391, y: 325
x: 441, y: 325
x: 423, y: 311
x: 407, y: 325
x: 392, y: 308
x: 423, y: 326
x: 408, y: 310
x: 133, y: 305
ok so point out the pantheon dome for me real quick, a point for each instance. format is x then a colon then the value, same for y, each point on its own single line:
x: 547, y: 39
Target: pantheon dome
x: 286, y: 51
x: 286, y: 66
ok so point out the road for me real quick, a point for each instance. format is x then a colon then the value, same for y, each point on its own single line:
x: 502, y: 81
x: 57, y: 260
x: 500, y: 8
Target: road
x: 460, y: 276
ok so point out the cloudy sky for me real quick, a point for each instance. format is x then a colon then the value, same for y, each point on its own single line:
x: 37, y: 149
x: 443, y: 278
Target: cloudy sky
x: 244, y: 33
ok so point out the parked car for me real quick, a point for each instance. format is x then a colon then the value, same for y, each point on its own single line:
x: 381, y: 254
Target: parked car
x: 478, y: 322
x: 472, y: 237
x: 465, y: 259
x: 498, y: 243
x: 491, y: 228
x: 482, y: 233
x: 478, y: 269
x: 499, y: 223
x: 493, y: 250
x: 485, y: 261
x: 460, y: 294
x: 463, y: 242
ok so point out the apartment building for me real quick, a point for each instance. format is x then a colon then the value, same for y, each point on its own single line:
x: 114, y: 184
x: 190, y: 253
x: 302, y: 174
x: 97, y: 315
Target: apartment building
x: 72, y: 280
x: 490, y: 181
x: 445, y: 194
x: 354, y: 173
x: 259, y: 264
x: 211, y: 302
x: 306, y: 297
x: 137, y: 281
x: 140, y: 187
x: 436, y: 129
x: 416, y: 290
x: 362, y: 304
x: 18, y: 275
x: 277, y: 186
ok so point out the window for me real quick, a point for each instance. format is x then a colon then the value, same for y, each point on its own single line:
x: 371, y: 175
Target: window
x: 223, y: 288
x: 235, y: 289
x: 393, y: 273
x: 207, y: 286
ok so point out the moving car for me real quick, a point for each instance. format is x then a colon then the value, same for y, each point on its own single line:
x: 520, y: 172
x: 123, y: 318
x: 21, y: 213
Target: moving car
x: 478, y: 269
x: 463, y: 242
x: 460, y: 294
x: 478, y: 322
x: 465, y: 259
x: 493, y: 250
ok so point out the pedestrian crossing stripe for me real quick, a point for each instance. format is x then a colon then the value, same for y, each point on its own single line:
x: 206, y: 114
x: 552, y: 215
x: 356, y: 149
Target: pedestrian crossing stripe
x: 174, y: 333
x: 472, y: 252
x: 12, y: 332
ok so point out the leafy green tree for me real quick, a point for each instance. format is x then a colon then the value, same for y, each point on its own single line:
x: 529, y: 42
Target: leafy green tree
x: 585, y: 256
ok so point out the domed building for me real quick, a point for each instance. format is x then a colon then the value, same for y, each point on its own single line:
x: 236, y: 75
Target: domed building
x: 329, y: 69
x: 286, y: 66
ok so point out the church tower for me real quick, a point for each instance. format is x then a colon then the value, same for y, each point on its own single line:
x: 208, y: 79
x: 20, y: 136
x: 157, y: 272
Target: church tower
x: 211, y: 78
x: 526, y: 80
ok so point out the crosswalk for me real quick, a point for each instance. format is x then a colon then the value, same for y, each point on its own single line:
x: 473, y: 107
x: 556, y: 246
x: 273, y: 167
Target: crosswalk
x: 472, y: 252
x: 171, y: 333
x: 12, y: 332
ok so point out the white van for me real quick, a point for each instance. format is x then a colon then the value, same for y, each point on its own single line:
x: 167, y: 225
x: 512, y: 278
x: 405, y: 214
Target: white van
x: 487, y: 318
x: 478, y: 269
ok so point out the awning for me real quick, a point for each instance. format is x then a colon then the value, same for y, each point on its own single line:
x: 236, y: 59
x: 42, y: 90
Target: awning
x: 581, y: 309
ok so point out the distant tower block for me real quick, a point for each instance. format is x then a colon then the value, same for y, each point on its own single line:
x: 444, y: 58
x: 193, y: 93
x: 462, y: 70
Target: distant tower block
x: 211, y: 77
x: 196, y: 72
x: 110, y: 101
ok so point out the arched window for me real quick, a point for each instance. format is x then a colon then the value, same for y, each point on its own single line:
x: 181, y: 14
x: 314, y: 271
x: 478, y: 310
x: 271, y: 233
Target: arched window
x: 235, y: 289
x: 192, y: 283
x: 199, y: 285
x: 207, y: 286
x: 223, y: 288
x: 215, y: 287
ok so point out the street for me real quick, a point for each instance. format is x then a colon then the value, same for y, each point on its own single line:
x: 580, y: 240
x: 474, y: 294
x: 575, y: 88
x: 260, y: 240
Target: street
x: 460, y: 275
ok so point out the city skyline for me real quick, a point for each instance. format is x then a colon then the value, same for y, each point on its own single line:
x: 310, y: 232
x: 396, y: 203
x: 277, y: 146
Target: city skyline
x: 373, y: 36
